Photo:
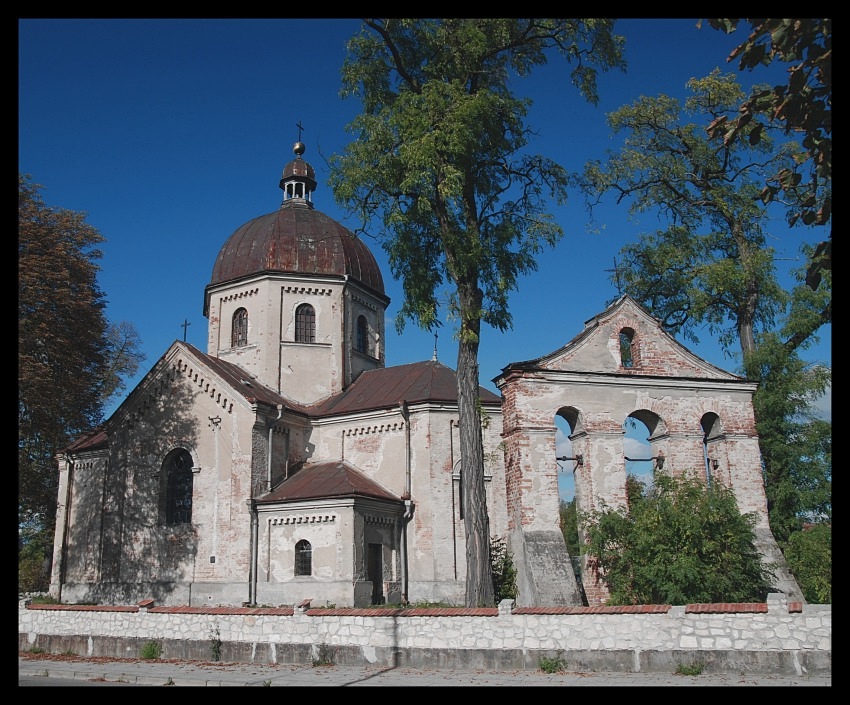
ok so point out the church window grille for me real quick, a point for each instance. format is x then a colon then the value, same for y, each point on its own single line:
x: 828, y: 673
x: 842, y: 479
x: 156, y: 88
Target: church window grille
x: 239, y: 331
x: 303, y: 558
x: 362, y: 335
x: 305, y: 324
x: 178, y: 493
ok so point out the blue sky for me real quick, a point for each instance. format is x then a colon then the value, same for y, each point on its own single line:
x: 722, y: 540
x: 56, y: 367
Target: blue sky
x: 170, y: 134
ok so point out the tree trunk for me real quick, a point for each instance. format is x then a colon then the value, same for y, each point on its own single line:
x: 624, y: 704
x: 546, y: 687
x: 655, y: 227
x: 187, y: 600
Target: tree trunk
x: 479, y: 581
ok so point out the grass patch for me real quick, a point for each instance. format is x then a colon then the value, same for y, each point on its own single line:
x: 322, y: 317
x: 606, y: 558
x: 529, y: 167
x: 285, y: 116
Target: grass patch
x: 690, y: 669
x: 151, y: 651
x: 554, y: 664
x: 44, y: 600
x: 324, y: 656
x: 36, y: 650
x: 215, y: 644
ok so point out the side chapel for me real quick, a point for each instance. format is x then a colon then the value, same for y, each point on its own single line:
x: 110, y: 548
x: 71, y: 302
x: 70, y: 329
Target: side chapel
x: 288, y: 463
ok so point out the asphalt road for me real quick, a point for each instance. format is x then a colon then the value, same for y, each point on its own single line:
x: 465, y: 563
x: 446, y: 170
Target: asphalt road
x: 80, y: 671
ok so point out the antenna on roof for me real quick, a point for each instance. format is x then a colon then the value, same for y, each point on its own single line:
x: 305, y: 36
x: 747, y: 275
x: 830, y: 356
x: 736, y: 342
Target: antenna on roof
x: 434, y: 358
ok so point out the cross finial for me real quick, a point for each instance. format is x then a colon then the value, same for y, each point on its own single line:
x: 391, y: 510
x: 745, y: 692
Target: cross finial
x: 616, y: 271
x: 185, y: 325
x: 300, y: 128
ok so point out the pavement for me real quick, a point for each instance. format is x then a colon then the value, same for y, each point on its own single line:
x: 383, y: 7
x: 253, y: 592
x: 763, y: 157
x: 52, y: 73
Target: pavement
x: 191, y: 673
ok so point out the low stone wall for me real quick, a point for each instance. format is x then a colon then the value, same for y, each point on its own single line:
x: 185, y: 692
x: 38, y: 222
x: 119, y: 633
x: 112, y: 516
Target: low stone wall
x: 773, y: 637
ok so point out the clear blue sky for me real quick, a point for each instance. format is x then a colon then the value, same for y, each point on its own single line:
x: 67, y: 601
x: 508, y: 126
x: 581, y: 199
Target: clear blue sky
x: 170, y: 134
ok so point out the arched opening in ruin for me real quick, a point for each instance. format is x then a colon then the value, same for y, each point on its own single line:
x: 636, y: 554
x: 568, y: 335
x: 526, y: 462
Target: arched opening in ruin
x: 712, y: 448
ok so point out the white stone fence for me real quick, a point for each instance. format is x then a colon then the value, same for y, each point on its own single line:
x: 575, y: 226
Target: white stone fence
x: 772, y: 637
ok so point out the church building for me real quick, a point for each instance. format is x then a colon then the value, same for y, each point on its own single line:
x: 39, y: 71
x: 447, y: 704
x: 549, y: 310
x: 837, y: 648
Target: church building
x: 287, y: 463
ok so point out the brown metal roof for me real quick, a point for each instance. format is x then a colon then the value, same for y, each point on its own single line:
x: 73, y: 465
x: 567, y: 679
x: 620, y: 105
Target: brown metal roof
x: 93, y: 440
x: 335, y: 478
x: 296, y: 239
x: 252, y: 389
x: 386, y: 387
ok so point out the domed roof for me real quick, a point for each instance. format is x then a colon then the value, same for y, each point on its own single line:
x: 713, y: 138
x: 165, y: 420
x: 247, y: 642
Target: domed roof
x: 296, y: 239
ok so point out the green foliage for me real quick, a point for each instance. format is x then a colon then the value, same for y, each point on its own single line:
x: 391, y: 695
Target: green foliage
x: 503, y: 571
x: 34, y: 559
x: 796, y: 446
x: 802, y: 105
x: 809, y: 557
x: 151, y: 651
x: 439, y: 159
x: 711, y: 267
x: 682, y: 543
x: 690, y: 669
x: 45, y: 600
x: 552, y: 664
x: 64, y: 378
x: 215, y: 643
x: 569, y: 527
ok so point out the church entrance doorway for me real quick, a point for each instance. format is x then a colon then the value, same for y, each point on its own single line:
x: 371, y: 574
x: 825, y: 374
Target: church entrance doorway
x: 375, y: 572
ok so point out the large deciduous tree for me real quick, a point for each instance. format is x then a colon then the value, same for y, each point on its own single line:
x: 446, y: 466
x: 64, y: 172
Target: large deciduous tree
x: 440, y: 160
x: 713, y: 265
x: 802, y: 106
x: 71, y: 359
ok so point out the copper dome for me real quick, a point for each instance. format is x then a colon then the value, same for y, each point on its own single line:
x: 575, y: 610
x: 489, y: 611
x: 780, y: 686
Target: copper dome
x: 296, y: 239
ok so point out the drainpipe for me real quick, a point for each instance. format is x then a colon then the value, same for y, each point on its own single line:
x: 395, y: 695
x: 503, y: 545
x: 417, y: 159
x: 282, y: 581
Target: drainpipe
x: 272, y: 424
x: 254, y: 550
x: 286, y: 454
x: 408, y: 502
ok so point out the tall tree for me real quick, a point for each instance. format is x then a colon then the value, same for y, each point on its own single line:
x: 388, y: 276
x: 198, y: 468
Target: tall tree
x: 802, y: 106
x: 712, y: 265
x: 439, y: 160
x: 71, y: 359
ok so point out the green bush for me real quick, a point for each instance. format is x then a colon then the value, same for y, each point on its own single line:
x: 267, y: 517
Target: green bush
x: 152, y: 650
x: 34, y: 558
x: 690, y: 669
x: 809, y: 557
x: 503, y: 570
x: 554, y: 664
x: 681, y: 543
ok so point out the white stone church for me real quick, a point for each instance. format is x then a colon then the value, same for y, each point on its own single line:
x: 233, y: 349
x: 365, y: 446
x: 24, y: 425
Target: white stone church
x: 288, y: 463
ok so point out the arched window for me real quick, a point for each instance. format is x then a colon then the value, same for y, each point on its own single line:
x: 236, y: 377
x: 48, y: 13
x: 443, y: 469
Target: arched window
x: 362, y: 335
x: 627, y: 336
x: 305, y: 324
x: 178, y: 488
x: 303, y: 558
x: 239, y: 331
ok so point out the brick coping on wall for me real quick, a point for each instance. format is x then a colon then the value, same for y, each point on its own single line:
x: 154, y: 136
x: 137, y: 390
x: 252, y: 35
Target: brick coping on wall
x: 304, y: 607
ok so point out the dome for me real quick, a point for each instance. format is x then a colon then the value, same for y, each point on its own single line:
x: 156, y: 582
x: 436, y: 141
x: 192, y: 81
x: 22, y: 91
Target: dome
x: 296, y: 239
